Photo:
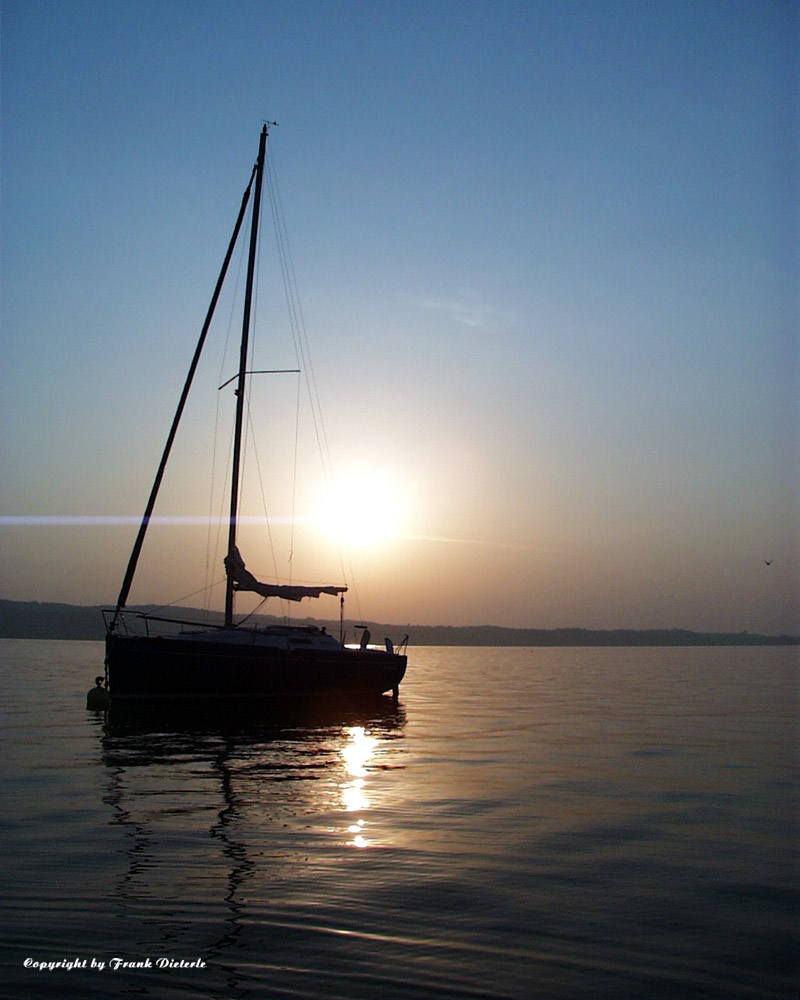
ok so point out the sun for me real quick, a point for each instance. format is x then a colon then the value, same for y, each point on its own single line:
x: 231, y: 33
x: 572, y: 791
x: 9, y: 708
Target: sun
x: 363, y: 509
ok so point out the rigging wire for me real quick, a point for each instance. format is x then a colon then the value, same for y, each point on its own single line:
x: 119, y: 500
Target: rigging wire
x: 212, y: 550
x: 300, y: 337
x: 294, y: 477
x: 251, y: 430
x: 251, y: 441
x: 255, y: 611
x: 296, y: 321
x: 304, y: 363
x: 178, y: 600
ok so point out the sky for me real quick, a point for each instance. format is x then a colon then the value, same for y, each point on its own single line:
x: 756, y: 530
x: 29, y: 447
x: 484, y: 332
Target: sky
x: 547, y: 261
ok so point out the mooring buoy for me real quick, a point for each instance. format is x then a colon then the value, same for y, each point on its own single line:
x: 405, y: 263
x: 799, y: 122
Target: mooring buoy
x: 98, y: 698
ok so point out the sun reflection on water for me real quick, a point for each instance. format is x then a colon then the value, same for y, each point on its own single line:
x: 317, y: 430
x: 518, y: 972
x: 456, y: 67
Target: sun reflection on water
x: 355, y: 754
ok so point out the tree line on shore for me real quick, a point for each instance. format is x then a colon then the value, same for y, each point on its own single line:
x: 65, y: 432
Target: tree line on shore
x: 35, y: 620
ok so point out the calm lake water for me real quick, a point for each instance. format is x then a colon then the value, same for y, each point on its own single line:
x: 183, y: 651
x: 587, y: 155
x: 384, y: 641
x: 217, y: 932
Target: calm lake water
x: 525, y: 823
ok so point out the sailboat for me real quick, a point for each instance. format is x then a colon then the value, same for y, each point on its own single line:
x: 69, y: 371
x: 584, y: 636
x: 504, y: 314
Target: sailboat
x: 155, y: 659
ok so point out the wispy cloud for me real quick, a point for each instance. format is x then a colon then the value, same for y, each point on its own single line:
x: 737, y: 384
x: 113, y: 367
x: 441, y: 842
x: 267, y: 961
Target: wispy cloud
x: 493, y: 543
x: 469, y: 311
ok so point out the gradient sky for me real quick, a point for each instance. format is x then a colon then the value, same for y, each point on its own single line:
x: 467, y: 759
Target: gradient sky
x: 547, y: 257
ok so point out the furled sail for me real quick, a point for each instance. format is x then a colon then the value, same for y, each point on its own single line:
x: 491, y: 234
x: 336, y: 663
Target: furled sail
x: 243, y: 579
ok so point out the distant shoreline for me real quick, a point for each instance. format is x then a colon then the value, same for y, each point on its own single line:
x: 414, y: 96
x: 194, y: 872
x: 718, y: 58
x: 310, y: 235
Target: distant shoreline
x: 41, y: 620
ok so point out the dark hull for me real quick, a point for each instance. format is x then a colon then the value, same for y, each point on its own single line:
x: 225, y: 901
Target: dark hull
x: 169, y: 669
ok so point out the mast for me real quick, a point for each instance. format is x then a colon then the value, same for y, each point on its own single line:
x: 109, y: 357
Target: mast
x: 237, y: 440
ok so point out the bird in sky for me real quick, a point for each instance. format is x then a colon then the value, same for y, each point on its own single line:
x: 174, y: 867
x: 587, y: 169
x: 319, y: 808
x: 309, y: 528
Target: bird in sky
x: 767, y: 562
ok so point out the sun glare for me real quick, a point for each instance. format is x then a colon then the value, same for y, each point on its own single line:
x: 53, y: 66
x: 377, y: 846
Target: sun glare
x: 364, y: 509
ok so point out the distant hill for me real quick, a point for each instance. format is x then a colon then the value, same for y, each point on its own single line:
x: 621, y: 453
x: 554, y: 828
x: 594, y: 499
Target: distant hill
x: 34, y: 620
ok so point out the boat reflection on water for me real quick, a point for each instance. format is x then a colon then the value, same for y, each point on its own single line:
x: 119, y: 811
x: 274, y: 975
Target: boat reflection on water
x: 237, y: 816
x: 198, y: 723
